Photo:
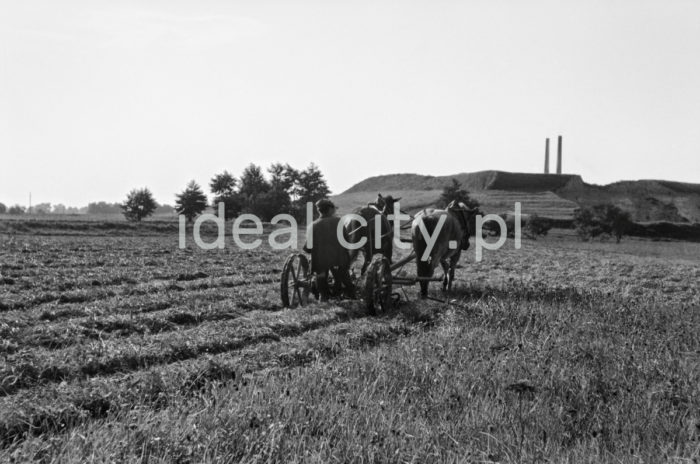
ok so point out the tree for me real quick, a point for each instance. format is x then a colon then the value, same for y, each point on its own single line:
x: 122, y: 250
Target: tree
x: 191, y: 202
x: 139, y: 204
x: 455, y: 192
x: 223, y: 186
x: 282, y: 177
x: 618, y: 221
x: 252, y: 183
x: 600, y: 220
x: 310, y: 186
x: 59, y: 209
x: 42, y: 208
x: 282, y: 180
x: 3, y: 208
x: 16, y: 209
x: 252, y: 189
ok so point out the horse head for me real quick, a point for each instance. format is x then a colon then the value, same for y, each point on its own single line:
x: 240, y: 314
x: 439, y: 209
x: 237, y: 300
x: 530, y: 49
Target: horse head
x: 385, y: 204
x: 463, y: 213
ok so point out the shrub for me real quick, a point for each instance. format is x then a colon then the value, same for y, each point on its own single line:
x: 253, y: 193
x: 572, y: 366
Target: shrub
x: 537, y: 226
x: 602, y: 220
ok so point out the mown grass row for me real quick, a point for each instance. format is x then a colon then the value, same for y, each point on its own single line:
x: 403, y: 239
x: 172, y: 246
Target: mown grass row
x: 58, y: 266
x: 122, y: 317
x: 32, y: 300
x: 75, y: 279
x: 68, y: 327
x: 75, y: 331
x: 494, y: 380
x: 123, y: 304
x: 26, y: 369
x: 56, y: 409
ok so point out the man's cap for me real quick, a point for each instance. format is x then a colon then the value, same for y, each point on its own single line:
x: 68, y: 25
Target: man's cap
x: 324, y: 205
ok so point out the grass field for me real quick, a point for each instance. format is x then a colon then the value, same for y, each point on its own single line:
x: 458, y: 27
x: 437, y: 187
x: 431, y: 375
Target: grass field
x: 124, y: 348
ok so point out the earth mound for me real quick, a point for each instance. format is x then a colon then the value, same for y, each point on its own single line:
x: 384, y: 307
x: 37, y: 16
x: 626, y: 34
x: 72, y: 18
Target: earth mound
x: 646, y: 200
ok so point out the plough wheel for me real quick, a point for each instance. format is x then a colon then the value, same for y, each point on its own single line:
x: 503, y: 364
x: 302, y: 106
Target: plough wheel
x: 377, y: 290
x: 295, y: 284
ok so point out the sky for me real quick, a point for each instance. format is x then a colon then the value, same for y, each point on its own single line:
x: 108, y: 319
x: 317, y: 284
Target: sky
x: 100, y: 97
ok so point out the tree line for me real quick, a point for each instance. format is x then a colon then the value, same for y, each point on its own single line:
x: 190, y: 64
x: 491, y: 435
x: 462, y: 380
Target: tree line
x: 281, y: 190
x: 41, y: 208
x: 100, y: 207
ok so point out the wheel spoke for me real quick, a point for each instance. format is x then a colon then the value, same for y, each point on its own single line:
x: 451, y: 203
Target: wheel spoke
x: 297, y: 291
x: 294, y: 274
x: 298, y: 273
x: 294, y: 295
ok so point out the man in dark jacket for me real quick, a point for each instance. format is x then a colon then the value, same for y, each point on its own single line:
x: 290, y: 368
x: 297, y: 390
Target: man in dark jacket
x: 327, y: 253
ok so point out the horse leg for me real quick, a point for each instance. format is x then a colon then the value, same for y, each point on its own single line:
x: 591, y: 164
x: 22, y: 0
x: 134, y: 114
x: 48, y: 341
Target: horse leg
x: 352, y: 255
x: 423, y: 289
x: 453, y: 266
x: 322, y: 283
x: 368, y: 257
x: 388, y: 250
x: 445, y: 270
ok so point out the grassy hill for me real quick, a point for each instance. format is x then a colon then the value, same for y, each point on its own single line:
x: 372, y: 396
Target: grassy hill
x: 548, y: 195
x: 473, y: 181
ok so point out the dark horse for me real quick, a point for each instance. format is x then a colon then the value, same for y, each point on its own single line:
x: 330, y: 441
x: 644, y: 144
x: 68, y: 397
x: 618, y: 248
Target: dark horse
x: 452, y: 238
x: 375, y: 215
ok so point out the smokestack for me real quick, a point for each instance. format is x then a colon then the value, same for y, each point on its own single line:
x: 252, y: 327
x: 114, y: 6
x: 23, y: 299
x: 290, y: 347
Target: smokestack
x: 546, y: 157
x: 559, y: 156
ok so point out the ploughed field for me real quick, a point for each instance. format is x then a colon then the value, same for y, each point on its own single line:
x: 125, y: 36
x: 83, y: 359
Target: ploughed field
x: 120, y: 349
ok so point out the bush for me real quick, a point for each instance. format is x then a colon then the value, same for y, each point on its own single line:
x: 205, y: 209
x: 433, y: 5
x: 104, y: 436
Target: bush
x: 537, y: 226
x: 3, y: 208
x: 602, y: 220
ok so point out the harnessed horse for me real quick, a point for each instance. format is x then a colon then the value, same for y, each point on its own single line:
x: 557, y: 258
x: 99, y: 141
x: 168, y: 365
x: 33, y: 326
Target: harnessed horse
x: 452, y: 238
x: 375, y: 216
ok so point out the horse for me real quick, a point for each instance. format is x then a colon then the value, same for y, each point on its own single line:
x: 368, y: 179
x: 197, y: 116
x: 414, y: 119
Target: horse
x: 451, y: 240
x: 375, y: 215
x: 385, y: 204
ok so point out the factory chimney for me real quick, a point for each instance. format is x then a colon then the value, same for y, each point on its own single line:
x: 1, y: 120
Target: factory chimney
x: 546, y: 157
x: 559, y: 156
